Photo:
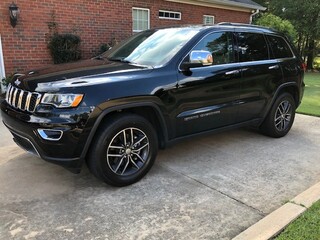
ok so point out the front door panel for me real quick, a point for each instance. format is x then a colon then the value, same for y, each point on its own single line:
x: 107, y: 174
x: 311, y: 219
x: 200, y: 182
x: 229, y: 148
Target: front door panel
x: 208, y: 98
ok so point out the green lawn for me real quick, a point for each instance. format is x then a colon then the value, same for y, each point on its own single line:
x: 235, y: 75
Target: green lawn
x: 311, y: 100
x: 306, y: 227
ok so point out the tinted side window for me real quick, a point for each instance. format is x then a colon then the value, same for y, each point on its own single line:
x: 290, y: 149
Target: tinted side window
x: 252, y: 47
x: 220, y: 45
x: 279, y: 47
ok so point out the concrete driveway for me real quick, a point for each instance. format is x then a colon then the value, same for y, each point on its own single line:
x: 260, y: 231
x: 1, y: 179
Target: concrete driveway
x: 212, y: 187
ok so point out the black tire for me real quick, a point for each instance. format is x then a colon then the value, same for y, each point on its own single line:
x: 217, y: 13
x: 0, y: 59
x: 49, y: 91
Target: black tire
x: 280, y: 118
x: 119, y: 160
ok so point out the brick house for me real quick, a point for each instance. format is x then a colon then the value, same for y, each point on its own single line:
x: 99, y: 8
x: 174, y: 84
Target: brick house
x: 100, y: 21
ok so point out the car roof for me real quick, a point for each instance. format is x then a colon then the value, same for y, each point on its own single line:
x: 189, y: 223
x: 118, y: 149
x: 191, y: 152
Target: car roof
x: 226, y: 26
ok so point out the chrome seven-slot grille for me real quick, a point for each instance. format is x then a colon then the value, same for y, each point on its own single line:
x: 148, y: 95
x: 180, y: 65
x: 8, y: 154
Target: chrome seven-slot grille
x: 21, y: 99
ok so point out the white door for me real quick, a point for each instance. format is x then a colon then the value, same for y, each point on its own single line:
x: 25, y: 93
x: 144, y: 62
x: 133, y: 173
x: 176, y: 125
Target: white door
x: 2, y: 71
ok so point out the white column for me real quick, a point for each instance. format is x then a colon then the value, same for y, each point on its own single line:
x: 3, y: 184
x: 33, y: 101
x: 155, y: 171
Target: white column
x: 2, y: 70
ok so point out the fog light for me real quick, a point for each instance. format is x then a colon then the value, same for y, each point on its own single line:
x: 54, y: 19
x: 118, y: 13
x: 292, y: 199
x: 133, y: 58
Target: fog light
x: 50, y: 134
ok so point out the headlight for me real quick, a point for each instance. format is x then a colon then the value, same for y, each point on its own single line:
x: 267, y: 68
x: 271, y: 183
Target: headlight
x: 62, y: 100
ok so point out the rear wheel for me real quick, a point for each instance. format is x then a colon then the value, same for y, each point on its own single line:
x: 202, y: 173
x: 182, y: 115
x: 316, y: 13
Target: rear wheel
x: 124, y: 151
x: 280, y: 118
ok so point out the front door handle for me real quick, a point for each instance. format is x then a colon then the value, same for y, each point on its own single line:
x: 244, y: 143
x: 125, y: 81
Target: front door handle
x: 274, y: 67
x: 234, y: 72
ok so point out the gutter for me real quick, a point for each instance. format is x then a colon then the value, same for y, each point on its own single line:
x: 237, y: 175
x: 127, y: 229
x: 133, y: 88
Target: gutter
x: 223, y: 4
x: 253, y: 14
x: 235, y: 4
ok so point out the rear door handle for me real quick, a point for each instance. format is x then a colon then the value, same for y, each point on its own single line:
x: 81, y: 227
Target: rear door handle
x: 274, y: 67
x: 232, y: 72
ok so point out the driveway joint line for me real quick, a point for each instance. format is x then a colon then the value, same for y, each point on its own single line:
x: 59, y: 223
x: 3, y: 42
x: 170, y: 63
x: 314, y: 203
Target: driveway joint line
x: 214, y: 189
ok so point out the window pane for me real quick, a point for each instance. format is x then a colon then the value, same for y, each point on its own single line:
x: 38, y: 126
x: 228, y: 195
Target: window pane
x: 135, y: 14
x: 144, y: 15
x: 219, y: 45
x: 279, y: 47
x: 140, y: 19
x: 135, y: 25
x: 252, y: 47
x: 169, y: 14
x: 208, y: 20
x: 144, y: 24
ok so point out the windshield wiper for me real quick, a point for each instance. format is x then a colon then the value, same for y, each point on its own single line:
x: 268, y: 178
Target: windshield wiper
x: 99, y: 57
x: 123, y: 60
x: 120, y: 59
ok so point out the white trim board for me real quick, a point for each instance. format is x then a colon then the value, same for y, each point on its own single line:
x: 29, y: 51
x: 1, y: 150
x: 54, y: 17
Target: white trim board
x: 223, y: 4
x: 2, y: 69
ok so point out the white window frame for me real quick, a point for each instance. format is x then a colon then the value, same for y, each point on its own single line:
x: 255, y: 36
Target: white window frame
x: 180, y: 14
x: 209, y: 16
x: 144, y: 9
x: 2, y: 70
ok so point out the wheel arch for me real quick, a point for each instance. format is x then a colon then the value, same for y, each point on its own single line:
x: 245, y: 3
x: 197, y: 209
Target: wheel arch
x: 291, y: 88
x: 148, y: 110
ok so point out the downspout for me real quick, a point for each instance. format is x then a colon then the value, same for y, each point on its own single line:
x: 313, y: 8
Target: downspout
x: 253, y: 14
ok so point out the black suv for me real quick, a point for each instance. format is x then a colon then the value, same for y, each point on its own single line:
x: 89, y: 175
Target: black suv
x: 160, y: 85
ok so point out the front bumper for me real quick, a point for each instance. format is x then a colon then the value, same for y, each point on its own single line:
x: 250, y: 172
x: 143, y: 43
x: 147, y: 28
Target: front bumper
x: 24, y: 128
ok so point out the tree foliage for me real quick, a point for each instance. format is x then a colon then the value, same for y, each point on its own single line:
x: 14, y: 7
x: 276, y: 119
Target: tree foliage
x: 305, y: 17
x: 304, y: 14
x: 277, y: 23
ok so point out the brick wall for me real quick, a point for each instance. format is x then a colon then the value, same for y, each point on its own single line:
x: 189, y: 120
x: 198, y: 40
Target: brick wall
x: 95, y: 21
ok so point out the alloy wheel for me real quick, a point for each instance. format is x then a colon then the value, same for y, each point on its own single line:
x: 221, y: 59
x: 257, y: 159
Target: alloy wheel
x: 283, y: 116
x: 128, y: 151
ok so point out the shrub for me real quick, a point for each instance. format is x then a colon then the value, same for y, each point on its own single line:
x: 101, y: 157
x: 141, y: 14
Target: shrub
x: 103, y: 47
x: 277, y: 23
x: 5, y: 81
x: 64, y: 48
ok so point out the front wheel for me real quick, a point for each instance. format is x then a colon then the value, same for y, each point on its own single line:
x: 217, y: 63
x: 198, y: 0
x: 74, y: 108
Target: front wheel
x: 124, y: 150
x: 280, y: 118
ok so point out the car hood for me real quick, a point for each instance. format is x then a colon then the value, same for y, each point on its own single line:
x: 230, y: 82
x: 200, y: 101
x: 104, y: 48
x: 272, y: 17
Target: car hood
x: 85, y: 72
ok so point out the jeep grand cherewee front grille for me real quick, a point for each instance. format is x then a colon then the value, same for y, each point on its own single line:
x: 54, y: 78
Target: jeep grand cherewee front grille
x: 21, y: 99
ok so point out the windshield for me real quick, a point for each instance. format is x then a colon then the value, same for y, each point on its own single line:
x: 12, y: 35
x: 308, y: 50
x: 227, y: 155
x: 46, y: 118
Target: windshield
x: 152, y: 47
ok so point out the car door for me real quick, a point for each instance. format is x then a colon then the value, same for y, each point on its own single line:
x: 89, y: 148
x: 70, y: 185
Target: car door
x: 290, y: 64
x: 207, y: 96
x: 260, y: 75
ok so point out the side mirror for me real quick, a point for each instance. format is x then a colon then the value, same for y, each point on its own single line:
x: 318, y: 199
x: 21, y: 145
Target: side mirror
x: 197, y: 59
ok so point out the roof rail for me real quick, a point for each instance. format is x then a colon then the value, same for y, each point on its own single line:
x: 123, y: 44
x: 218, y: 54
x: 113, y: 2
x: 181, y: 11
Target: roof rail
x: 243, y: 25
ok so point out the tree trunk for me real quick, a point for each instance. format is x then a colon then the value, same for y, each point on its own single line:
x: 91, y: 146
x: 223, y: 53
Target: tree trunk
x: 305, y: 51
x: 300, y: 42
x: 311, y: 47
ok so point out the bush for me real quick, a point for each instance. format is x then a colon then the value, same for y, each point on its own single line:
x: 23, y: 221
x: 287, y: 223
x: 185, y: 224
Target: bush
x: 5, y: 81
x: 277, y: 23
x: 104, y: 47
x: 64, y: 48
